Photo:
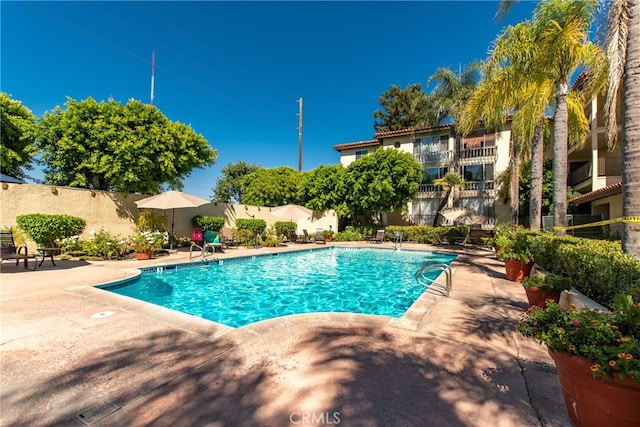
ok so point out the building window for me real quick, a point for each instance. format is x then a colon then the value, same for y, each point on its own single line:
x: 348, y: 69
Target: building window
x: 478, y: 172
x: 430, y: 144
x: 431, y: 174
x: 360, y: 153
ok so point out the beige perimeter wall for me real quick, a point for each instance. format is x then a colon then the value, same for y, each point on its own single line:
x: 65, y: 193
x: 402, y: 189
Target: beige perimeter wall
x: 118, y: 213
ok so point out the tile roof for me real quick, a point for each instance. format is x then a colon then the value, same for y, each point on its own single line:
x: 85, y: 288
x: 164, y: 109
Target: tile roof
x: 609, y: 190
x: 409, y: 131
x: 358, y: 144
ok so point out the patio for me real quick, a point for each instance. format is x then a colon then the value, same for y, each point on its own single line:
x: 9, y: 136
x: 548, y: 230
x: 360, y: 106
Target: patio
x: 461, y: 363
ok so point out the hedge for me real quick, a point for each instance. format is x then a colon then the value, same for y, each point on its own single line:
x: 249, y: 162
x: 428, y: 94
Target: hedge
x: 598, y: 268
x: 207, y: 222
x: 46, y: 230
x: 257, y: 226
x: 282, y: 227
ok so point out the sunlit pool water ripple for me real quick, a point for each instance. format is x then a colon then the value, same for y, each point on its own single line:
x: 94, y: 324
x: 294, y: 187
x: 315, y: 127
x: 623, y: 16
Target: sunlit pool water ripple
x: 243, y: 291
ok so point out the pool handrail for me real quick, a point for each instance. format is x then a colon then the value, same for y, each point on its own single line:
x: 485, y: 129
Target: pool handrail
x: 435, y: 266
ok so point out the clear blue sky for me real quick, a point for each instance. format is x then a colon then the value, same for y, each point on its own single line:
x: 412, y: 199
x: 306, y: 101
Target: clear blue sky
x: 234, y: 70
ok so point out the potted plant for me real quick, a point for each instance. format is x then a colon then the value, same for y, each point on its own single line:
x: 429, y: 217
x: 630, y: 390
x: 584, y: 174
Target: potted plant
x: 517, y: 258
x: 328, y: 235
x: 540, y: 289
x: 144, y: 243
x: 597, y: 355
x: 503, y: 236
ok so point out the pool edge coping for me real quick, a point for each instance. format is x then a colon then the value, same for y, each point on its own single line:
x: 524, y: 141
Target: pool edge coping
x: 410, y: 319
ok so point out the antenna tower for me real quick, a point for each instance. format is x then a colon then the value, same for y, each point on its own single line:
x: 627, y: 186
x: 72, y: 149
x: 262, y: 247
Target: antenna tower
x: 300, y: 136
x: 153, y: 74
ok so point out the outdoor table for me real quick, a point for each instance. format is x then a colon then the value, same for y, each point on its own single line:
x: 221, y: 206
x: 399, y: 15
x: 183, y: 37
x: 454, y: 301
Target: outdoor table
x: 48, y: 252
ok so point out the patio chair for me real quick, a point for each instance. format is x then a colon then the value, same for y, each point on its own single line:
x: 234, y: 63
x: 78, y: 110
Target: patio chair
x: 212, y: 240
x: 319, y: 237
x: 304, y: 238
x: 8, y: 250
x: 228, y: 238
x: 378, y: 238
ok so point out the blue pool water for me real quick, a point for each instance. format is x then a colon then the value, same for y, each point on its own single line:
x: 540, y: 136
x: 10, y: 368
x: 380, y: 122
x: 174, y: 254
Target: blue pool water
x: 241, y: 291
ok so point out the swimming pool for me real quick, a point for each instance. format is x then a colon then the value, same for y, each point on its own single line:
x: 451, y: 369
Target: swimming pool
x: 240, y: 291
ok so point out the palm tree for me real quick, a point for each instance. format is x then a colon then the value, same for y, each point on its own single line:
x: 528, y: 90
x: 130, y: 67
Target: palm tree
x: 507, y: 88
x: 560, y: 29
x: 448, y: 98
x: 515, y: 83
x: 452, y: 181
x: 623, y: 51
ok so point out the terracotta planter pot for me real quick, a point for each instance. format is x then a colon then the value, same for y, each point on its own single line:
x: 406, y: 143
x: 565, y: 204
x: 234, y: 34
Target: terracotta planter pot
x: 143, y: 255
x: 516, y: 271
x: 539, y: 297
x: 592, y: 402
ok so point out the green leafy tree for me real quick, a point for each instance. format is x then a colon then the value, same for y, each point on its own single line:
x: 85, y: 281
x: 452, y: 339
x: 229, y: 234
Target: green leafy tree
x: 382, y: 181
x: 229, y: 189
x: 127, y: 148
x: 323, y: 188
x: 18, y: 142
x: 402, y: 108
x: 272, y: 187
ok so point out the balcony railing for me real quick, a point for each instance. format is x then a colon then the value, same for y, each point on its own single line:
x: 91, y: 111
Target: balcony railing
x: 479, y: 185
x: 447, y: 156
x: 430, y: 188
x: 478, y: 152
x: 420, y: 219
x: 581, y: 174
x: 435, y: 157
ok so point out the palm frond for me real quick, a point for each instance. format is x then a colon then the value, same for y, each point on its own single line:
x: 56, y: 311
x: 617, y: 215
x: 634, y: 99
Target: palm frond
x: 616, y: 48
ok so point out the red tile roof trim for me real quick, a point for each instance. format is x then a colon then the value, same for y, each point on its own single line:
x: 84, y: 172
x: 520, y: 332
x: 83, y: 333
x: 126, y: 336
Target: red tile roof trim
x: 409, y: 131
x: 358, y: 144
x: 609, y: 190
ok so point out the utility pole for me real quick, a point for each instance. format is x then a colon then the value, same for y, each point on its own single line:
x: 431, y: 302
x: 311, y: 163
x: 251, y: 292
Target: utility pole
x: 153, y: 74
x: 300, y: 136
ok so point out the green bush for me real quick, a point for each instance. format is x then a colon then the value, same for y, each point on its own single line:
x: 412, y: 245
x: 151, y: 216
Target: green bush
x: 104, y: 245
x: 282, y: 227
x: 207, y: 222
x: 47, y: 230
x: 152, y: 220
x: 450, y: 232
x: 598, y: 268
x: 347, y: 236
x: 256, y: 226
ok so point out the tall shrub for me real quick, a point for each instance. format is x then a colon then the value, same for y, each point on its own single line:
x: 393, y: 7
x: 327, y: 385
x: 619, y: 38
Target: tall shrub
x: 208, y: 222
x: 257, y: 226
x: 46, y: 230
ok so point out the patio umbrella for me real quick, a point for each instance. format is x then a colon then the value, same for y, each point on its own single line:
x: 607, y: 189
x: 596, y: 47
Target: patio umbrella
x: 291, y: 212
x: 171, y: 200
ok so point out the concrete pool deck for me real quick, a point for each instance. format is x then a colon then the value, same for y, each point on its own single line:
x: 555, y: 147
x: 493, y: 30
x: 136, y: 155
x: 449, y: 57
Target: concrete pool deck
x: 70, y: 352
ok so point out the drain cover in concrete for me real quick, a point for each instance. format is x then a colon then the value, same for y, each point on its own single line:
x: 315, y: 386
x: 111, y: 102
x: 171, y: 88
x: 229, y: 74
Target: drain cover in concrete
x: 102, y: 314
x: 93, y: 414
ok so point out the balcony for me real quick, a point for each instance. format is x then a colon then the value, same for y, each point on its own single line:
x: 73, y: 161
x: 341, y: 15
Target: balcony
x: 436, y: 157
x: 607, y: 167
x: 446, y: 157
x: 580, y: 174
x: 430, y: 191
x: 474, y: 153
x: 470, y: 189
